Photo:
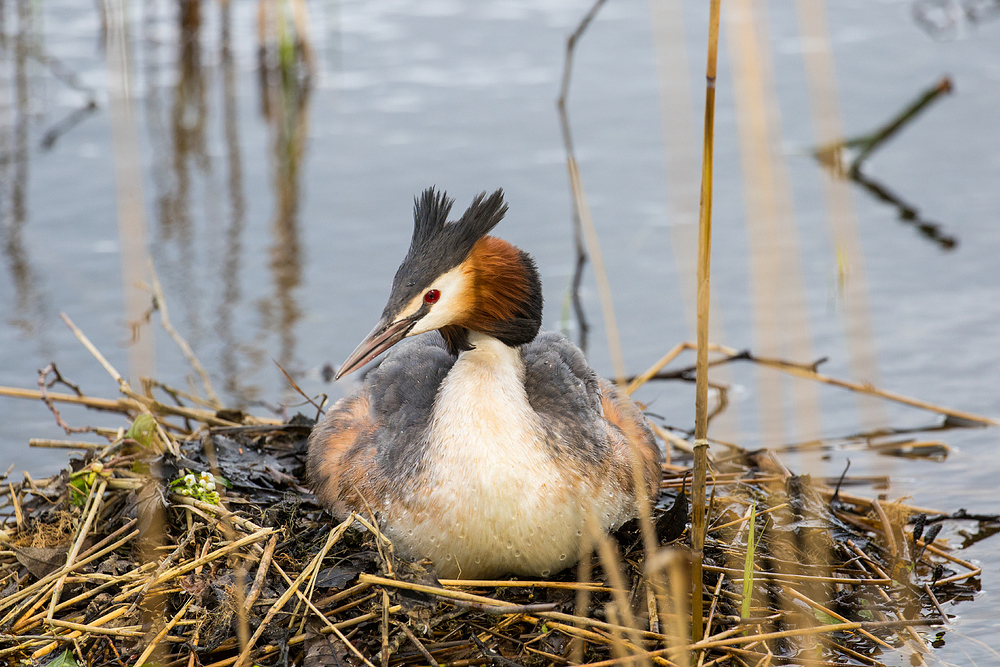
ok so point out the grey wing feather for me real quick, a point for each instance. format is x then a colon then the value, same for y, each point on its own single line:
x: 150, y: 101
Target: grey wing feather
x: 402, y: 391
x: 565, y: 391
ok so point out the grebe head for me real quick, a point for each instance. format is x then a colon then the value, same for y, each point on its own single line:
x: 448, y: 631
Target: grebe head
x: 455, y: 278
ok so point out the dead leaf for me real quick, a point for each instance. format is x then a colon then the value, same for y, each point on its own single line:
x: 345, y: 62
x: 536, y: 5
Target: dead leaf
x: 39, y: 561
x: 324, y: 651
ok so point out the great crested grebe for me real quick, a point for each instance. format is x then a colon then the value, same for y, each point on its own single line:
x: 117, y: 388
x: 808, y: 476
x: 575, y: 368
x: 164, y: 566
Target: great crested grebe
x: 478, y: 442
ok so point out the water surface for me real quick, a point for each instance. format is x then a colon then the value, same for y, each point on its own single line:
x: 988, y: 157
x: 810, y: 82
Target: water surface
x: 277, y: 212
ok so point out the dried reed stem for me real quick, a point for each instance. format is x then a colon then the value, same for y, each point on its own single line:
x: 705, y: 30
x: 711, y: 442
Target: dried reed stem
x: 152, y: 646
x: 46, y: 443
x: 292, y: 588
x: 829, y: 612
x: 94, y: 503
x: 766, y: 636
x: 704, y: 293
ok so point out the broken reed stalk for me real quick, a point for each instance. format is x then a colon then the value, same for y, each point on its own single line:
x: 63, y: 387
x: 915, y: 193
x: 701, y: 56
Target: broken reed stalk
x: 805, y: 370
x: 704, y: 285
x: 867, y: 144
x: 583, y: 222
x: 94, y: 502
x: 762, y: 637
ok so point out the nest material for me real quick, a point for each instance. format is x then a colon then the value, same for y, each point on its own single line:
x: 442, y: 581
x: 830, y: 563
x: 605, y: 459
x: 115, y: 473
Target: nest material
x: 121, y: 560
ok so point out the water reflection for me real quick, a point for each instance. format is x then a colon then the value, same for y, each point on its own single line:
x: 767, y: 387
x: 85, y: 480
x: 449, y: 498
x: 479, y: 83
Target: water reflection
x: 284, y: 71
x: 949, y: 19
x: 69, y: 79
x: 188, y: 119
x: 31, y: 301
x: 908, y: 213
x: 230, y: 278
x: 179, y: 125
x: 833, y: 158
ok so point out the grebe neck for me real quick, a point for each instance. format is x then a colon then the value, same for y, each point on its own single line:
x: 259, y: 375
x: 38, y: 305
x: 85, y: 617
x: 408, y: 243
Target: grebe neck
x: 482, y: 403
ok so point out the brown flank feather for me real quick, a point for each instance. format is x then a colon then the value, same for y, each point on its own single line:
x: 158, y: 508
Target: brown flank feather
x: 341, y: 457
x: 622, y: 412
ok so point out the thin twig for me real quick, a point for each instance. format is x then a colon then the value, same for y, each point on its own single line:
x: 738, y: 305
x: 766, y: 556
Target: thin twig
x: 258, y: 581
x: 416, y: 642
x: 160, y: 304
x: 82, y: 337
x: 148, y: 651
x: 583, y: 222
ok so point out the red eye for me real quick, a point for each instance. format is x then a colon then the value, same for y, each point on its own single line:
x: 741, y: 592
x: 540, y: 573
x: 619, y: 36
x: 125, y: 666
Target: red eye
x: 432, y: 296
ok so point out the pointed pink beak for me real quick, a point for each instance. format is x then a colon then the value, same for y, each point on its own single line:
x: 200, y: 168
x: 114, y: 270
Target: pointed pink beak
x: 381, y: 338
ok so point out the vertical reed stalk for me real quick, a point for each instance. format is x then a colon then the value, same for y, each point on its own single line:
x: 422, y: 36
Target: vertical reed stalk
x: 680, y: 143
x: 704, y: 284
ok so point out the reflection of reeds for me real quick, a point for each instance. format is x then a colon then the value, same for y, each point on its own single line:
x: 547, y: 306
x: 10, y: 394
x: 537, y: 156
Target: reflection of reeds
x: 781, y: 319
x: 841, y: 215
x: 128, y: 186
x: 187, y: 157
x: 15, y: 120
x: 781, y: 323
x: 682, y: 162
x: 285, y: 73
x: 230, y: 268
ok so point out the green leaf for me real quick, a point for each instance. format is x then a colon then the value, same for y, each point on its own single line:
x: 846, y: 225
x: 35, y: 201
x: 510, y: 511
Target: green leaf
x: 143, y: 430
x: 64, y: 659
x: 825, y: 618
x: 748, y: 564
x: 79, y: 488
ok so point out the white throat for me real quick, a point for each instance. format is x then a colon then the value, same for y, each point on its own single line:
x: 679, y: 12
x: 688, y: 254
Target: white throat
x: 482, y: 403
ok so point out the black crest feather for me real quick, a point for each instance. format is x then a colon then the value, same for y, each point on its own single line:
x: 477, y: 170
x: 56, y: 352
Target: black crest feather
x: 434, y: 236
x: 437, y: 245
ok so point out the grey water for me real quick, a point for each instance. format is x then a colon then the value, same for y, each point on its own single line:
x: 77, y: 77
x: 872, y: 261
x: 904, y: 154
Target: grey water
x: 277, y: 214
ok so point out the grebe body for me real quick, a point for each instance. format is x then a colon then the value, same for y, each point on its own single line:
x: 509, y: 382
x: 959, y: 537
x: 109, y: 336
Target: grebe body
x: 478, y: 442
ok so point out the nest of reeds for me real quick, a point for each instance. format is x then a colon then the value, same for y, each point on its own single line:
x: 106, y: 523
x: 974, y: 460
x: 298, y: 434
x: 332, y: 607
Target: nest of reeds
x: 190, y: 540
